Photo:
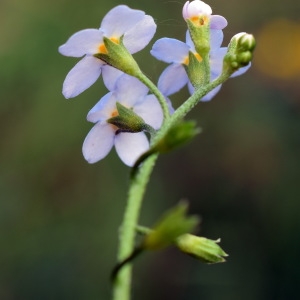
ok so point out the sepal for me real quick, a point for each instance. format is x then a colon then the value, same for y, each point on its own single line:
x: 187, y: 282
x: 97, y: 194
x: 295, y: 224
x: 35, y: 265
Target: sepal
x: 178, y: 135
x: 200, y: 35
x: 127, y: 120
x: 116, y: 55
x: 203, y: 249
x: 172, y: 225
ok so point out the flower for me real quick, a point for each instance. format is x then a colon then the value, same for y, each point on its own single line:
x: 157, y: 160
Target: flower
x: 200, y: 13
x: 173, y: 51
x: 123, y: 25
x: 132, y: 94
x: 176, y: 52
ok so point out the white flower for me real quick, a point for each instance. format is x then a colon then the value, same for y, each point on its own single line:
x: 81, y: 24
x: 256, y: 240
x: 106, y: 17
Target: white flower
x: 199, y: 12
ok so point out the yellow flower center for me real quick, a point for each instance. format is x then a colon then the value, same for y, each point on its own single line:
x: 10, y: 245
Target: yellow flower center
x: 114, y: 113
x: 102, y: 49
x: 199, y: 20
x: 187, y: 60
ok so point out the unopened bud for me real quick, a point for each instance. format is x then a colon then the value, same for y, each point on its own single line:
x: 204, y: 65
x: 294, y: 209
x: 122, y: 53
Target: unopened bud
x: 206, y: 250
x: 172, y: 225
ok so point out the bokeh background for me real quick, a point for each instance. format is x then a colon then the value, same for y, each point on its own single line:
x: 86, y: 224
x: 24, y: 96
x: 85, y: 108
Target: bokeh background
x: 59, y: 216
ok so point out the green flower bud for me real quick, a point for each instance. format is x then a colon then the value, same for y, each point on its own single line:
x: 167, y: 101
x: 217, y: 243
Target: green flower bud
x: 119, y: 57
x: 172, y: 225
x: 127, y: 120
x: 239, y: 53
x: 246, y: 41
x: 178, y: 135
x: 206, y: 250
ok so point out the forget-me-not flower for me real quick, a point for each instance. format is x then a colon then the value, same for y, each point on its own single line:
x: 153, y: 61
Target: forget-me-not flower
x: 132, y: 26
x: 132, y: 94
x: 173, y: 51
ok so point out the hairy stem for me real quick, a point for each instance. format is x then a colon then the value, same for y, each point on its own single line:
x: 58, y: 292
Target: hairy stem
x: 138, y: 183
x: 156, y: 92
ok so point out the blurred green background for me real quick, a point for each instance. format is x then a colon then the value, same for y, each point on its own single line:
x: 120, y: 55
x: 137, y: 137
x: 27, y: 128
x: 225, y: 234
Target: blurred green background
x: 59, y: 216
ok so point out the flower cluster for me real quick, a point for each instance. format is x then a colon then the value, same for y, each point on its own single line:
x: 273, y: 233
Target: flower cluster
x: 130, y: 30
x: 184, y: 57
x: 123, y: 25
x: 127, y: 111
x: 132, y: 94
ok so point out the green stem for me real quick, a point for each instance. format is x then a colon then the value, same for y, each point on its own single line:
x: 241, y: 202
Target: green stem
x: 122, y: 282
x: 156, y: 92
x: 139, y: 181
x: 188, y: 105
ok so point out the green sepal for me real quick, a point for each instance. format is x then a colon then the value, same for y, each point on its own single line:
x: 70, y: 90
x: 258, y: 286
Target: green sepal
x: 119, y: 57
x: 172, y: 225
x: 178, y: 135
x: 203, y: 249
x: 200, y: 36
x: 127, y: 120
x: 198, y: 71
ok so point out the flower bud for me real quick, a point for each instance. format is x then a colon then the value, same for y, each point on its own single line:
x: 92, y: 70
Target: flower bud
x: 177, y: 135
x: 195, y: 9
x: 197, y: 16
x: 240, y: 52
x: 246, y: 41
x: 172, y: 225
x: 206, y: 250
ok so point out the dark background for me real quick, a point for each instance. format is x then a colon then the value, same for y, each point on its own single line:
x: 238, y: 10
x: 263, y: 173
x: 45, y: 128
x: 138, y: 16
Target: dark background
x: 59, y: 216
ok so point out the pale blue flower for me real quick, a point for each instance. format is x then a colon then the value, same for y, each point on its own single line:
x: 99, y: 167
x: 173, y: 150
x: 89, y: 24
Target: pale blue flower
x: 136, y: 28
x: 175, y: 52
x: 103, y: 136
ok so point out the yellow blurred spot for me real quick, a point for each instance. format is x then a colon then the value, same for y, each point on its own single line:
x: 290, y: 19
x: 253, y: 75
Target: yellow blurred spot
x: 102, y: 49
x: 186, y: 61
x: 199, y: 21
x: 115, y: 40
x: 278, y: 49
x: 198, y: 56
x: 114, y: 113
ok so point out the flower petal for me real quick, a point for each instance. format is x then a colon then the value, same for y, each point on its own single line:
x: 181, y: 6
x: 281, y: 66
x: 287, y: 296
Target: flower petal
x: 139, y: 36
x: 172, y: 79
x: 190, y: 42
x: 103, y: 109
x: 130, y: 146
x: 218, y: 22
x: 110, y: 76
x: 211, y: 94
x: 170, y: 50
x: 150, y: 110
x: 82, y: 42
x: 195, y: 9
x: 98, y: 142
x: 216, y: 61
x: 130, y: 90
x: 216, y: 38
x: 241, y: 71
x: 82, y: 76
x: 120, y: 19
